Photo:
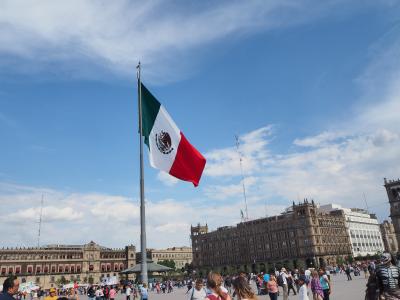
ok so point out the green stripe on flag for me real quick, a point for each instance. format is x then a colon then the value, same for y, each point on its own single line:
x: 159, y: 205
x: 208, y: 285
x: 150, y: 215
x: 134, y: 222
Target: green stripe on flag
x: 150, y: 108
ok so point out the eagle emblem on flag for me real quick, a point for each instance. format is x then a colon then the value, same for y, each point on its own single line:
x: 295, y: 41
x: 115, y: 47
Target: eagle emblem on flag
x: 163, y: 142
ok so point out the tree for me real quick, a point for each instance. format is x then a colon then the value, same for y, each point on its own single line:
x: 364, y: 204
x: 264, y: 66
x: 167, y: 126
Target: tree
x: 339, y: 260
x: 61, y: 281
x: 188, y: 268
x: 350, y: 259
x: 168, y: 263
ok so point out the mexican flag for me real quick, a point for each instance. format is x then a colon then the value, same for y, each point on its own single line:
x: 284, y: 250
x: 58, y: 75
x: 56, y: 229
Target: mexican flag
x: 170, y: 151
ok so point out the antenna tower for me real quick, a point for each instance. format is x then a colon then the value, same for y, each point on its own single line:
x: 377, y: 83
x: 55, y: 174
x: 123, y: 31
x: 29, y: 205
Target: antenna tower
x: 243, y: 183
x: 40, y: 221
x: 366, y: 203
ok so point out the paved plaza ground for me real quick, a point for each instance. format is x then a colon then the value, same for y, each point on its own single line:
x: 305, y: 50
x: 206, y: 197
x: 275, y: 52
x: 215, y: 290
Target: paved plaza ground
x: 342, y: 290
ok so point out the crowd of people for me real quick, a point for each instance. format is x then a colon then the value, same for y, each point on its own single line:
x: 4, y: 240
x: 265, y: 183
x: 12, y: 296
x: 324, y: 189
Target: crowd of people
x: 382, y: 277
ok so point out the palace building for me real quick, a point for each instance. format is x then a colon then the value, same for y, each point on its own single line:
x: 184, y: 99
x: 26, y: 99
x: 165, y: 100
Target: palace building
x: 300, y: 237
x: 180, y: 255
x: 47, y: 265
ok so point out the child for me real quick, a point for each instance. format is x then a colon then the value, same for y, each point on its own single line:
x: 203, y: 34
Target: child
x: 303, y: 288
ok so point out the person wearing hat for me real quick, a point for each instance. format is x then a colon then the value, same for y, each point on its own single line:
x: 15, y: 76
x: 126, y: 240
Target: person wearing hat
x: 52, y: 296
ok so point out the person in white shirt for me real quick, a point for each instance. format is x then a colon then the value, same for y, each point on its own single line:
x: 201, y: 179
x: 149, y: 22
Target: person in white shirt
x: 284, y: 275
x: 198, y: 292
x: 303, y: 292
x: 128, y: 292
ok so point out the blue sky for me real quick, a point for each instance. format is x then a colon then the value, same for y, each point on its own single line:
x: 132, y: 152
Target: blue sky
x: 311, y: 88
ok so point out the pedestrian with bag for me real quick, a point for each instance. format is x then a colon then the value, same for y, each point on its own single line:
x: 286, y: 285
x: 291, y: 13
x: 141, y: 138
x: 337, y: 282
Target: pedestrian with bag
x: 198, y: 292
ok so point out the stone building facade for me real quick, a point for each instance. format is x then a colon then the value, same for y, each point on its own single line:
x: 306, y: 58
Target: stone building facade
x: 363, y: 229
x: 393, y: 191
x: 46, y: 265
x: 389, y: 237
x: 301, y: 236
x: 180, y: 255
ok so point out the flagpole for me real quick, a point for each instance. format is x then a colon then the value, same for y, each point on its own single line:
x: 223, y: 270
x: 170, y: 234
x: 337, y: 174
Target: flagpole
x: 142, y: 204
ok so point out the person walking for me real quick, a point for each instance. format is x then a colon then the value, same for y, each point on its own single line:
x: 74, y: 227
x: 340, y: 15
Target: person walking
x: 128, y: 292
x: 284, y: 281
x: 272, y: 287
x: 112, y: 293
x: 90, y: 293
x: 290, y: 283
x: 325, y: 284
x: 316, y: 288
x: 303, y: 292
x: 348, y: 273
x: 144, y: 293
x: 243, y: 289
x: 99, y: 293
x: 198, y: 292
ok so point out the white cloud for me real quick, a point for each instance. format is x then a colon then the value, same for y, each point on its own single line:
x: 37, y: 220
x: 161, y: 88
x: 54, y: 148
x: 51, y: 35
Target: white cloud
x: 252, y: 148
x: 50, y: 213
x: 115, y: 35
x: 231, y: 191
x: 167, y: 179
x: 111, y: 220
x: 318, y: 140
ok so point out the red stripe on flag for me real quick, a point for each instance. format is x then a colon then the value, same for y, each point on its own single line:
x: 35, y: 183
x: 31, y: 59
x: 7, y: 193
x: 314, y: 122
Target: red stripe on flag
x: 189, y: 163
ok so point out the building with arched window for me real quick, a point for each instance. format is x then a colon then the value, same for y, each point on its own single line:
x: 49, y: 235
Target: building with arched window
x: 47, y: 265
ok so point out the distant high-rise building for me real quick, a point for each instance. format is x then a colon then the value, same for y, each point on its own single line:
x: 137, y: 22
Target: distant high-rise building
x: 393, y: 192
x: 389, y: 237
x: 362, y: 227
